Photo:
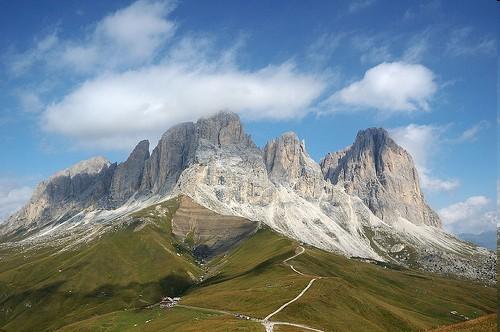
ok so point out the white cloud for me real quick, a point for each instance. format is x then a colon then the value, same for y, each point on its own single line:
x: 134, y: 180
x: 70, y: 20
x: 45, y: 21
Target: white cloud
x: 474, y: 215
x: 114, y: 110
x: 463, y: 42
x: 423, y: 143
x: 137, y: 85
x: 435, y: 184
x: 129, y: 36
x: 389, y: 87
x: 12, y: 197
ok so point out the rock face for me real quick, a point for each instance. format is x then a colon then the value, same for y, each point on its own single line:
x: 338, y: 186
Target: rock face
x: 98, y: 184
x: 364, y: 201
x: 174, y: 152
x: 177, y: 148
x: 288, y: 163
x: 206, y: 232
x: 223, y: 129
x: 84, y: 185
x: 128, y: 175
x: 383, y: 175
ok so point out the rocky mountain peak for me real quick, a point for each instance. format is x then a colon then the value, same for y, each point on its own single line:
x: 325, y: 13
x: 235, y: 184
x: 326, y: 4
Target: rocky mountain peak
x: 223, y: 128
x: 174, y: 152
x: 288, y: 163
x: 178, y: 147
x: 90, y: 166
x: 383, y: 175
x: 128, y: 175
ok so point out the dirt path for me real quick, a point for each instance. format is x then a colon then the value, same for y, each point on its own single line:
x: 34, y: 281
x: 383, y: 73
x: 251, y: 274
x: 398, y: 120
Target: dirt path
x: 223, y: 312
x: 291, y: 301
x: 269, y: 325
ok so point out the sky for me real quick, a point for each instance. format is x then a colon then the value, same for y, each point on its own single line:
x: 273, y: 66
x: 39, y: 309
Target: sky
x: 79, y: 79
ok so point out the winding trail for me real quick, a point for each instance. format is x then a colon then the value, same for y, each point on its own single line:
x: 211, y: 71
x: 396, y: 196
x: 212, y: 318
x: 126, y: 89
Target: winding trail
x: 269, y: 325
x: 291, y: 301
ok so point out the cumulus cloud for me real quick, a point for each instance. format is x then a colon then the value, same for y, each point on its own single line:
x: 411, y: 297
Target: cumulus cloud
x: 114, y: 110
x: 12, y: 197
x: 130, y: 36
x: 136, y: 80
x: 474, y: 215
x: 423, y: 142
x: 388, y: 87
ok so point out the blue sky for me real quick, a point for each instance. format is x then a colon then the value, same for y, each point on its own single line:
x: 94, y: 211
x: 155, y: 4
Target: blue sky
x: 92, y: 78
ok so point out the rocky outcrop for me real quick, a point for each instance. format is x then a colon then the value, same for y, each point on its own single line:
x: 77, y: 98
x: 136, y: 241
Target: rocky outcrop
x: 336, y: 207
x: 66, y: 193
x: 383, y: 175
x: 177, y: 148
x: 222, y: 129
x: 174, y: 152
x: 288, y: 163
x: 206, y: 232
x: 128, y: 175
x: 97, y: 183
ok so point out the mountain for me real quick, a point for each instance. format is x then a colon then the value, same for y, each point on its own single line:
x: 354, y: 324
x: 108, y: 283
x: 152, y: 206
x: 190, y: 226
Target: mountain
x: 485, y: 239
x: 115, y: 281
x: 383, y: 175
x: 85, y: 185
x: 364, y: 201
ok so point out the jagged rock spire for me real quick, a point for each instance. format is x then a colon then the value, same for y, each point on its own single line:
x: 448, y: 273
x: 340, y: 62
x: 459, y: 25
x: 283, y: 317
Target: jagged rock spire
x: 288, y: 163
x: 383, y: 175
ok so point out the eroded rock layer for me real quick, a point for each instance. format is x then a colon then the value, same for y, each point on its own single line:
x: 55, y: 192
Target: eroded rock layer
x: 207, y: 232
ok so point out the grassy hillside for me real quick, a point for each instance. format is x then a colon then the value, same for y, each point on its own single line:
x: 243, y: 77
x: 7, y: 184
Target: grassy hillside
x: 177, y: 319
x: 107, y: 285
x: 361, y: 296
x: 127, y: 268
x: 483, y: 324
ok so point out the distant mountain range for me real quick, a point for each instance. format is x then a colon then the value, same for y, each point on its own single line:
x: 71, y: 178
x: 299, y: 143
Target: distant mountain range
x: 485, y: 239
x: 364, y: 201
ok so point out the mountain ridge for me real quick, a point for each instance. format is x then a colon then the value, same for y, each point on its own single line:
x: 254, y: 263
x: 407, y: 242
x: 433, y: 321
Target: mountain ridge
x: 215, y: 163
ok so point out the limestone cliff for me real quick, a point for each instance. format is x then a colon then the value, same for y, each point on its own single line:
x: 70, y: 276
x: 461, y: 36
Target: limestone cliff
x: 289, y: 164
x: 85, y: 185
x: 383, y: 175
x: 128, y: 175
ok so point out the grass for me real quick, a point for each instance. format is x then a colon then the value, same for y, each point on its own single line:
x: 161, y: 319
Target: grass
x: 106, y: 285
x: 362, y: 296
x: 482, y: 324
x: 122, y: 269
x: 176, y: 319
x: 250, y: 281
